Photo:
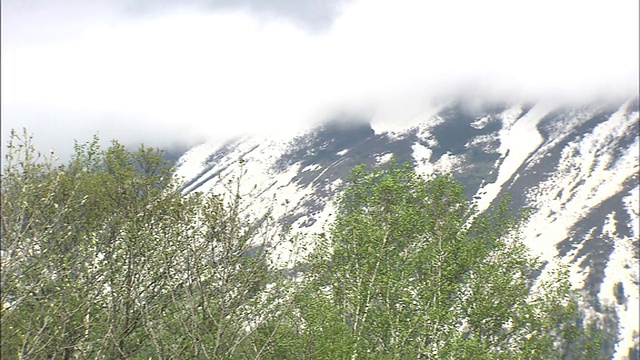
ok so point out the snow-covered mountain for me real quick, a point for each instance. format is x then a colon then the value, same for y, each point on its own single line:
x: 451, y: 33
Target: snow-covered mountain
x: 577, y: 166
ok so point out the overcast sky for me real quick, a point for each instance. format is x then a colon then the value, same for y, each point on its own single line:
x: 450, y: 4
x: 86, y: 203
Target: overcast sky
x: 167, y: 74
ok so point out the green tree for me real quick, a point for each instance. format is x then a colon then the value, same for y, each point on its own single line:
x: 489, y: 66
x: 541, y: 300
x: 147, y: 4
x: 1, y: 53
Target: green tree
x: 409, y: 269
x: 90, y: 246
x: 229, y: 284
x: 103, y: 258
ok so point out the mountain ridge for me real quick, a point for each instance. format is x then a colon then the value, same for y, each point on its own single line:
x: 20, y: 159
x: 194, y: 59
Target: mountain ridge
x: 576, y: 166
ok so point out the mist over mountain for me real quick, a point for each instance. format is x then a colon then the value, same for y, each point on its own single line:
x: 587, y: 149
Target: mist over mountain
x: 576, y: 166
x: 174, y: 74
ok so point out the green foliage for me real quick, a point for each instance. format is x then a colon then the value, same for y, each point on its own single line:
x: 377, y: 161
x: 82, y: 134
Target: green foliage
x: 103, y: 258
x: 409, y: 269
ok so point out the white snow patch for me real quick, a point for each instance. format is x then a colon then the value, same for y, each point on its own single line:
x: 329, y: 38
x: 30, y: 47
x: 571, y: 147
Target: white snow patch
x: 383, y: 159
x: 624, y: 268
x: 481, y: 122
x: 192, y: 162
x: 632, y: 205
x: 312, y: 167
x: 485, y: 141
x: 421, y: 153
x: 336, y: 184
x: 582, y: 179
x: 609, y: 227
x: 424, y: 130
x: 577, y: 275
x: 422, y: 156
x: 518, y: 139
x: 446, y: 164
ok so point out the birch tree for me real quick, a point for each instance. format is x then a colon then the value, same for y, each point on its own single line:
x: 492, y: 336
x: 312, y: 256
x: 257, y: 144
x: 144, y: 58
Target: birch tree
x: 409, y: 269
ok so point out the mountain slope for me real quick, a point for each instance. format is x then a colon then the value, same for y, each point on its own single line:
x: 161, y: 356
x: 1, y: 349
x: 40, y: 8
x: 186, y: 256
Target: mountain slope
x: 577, y: 167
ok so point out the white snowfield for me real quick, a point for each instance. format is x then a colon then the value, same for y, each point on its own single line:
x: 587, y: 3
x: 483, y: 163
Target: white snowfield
x: 263, y: 188
x: 519, y: 138
x: 586, y: 176
x: 592, y: 167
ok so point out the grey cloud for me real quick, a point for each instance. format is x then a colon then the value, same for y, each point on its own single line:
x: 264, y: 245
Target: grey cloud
x: 312, y: 15
x: 44, y: 21
x: 384, y: 60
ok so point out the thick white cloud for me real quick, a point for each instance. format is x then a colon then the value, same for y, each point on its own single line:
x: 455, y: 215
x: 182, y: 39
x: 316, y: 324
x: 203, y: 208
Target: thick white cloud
x: 185, y: 75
